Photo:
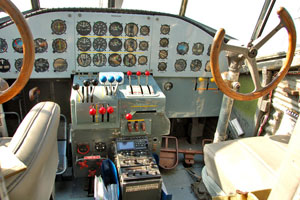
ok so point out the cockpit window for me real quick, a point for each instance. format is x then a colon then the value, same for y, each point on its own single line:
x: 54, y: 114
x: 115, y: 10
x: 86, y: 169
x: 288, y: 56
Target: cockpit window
x: 22, y: 5
x: 73, y: 4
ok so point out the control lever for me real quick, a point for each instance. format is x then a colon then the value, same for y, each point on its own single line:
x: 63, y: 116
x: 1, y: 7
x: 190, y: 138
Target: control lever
x: 102, y: 111
x: 119, y: 80
x: 147, y: 74
x: 129, y: 73
x: 94, y: 83
x: 111, y: 79
x: 76, y: 87
x: 138, y: 73
x: 87, y: 83
x: 103, y: 80
x: 110, y: 110
x: 92, y: 112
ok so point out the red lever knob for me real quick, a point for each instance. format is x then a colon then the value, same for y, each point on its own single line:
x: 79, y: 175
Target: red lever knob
x: 83, y: 164
x: 129, y: 73
x: 110, y: 109
x: 138, y: 73
x: 102, y: 110
x: 147, y: 73
x: 93, y: 111
x: 128, y: 116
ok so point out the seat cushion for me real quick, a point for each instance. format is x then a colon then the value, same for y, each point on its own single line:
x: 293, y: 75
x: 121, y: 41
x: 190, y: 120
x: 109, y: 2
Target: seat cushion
x: 246, y: 164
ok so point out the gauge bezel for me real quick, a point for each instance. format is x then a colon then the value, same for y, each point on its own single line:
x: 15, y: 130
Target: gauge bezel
x: 144, y: 62
x: 162, y: 43
x: 129, y: 64
x: 126, y: 45
x: 99, y: 25
x: 57, y: 50
x: 135, y: 29
x: 144, y: 47
x: 63, y: 65
x: 85, y: 64
x: 180, y: 51
x: 6, y: 61
x: 43, y: 49
x: 43, y: 68
x: 198, y: 50
x: 180, y: 63
x: 165, y: 29
x: 207, y: 67
x: 143, y: 31
x: 196, y: 65
x: 3, y: 45
x: 162, y: 66
x: 18, y: 64
x: 115, y: 32
x: 163, y: 54
x: 18, y: 49
x: 56, y: 30
x: 87, y: 25
x: 102, y: 63
x: 96, y: 41
x: 119, y: 60
x: 117, y: 47
x: 81, y: 41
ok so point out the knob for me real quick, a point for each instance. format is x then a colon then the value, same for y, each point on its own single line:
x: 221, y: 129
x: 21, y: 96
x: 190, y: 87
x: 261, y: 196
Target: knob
x: 119, y: 79
x: 111, y: 79
x: 103, y: 79
x: 75, y: 86
x: 102, y: 110
x: 95, y: 82
x: 138, y: 73
x: 129, y: 73
x: 128, y: 116
x: 86, y: 83
x: 147, y: 73
x: 92, y: 111
x: 110, y: 109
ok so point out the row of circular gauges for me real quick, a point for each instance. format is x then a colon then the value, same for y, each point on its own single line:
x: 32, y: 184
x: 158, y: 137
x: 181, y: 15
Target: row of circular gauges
x: 59, y: 45
x: 114, y: 60
x: 114, y: 44
x: 40, y: 65
x: 100, y: 28
x: 181, y: 64
x: 182, y: 48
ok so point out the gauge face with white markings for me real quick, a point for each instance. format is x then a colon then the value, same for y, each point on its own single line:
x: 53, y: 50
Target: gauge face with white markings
x: 180, y: 65
x: 164, y: 42
x: 114, y: 60
x: 18, y: 45
x: 83, y: 27
x: 58, y: 27
x: 182, y: 48
x: 144, y: 30
x: 131, y: 29
x: 84, y: 44
x: 4, y: 65
x: 18, y: 64
x: 115, y: 44
x: 3, y: 45
x: 130, y: 45
x: 59, y: 45
x: 100, y: 44
x: 196, y: 65
x: 115, y: 29
x: 142, y: 60
x: 144, y: 45
x: 100, y: 28
x: 41, y: 65
x: 99, y: 60
x: 84, y: 59
x: 60, y: 65
x: 198, y: 48
x: 165, y: 29
x: 129, y: 60
x: 41, y: 45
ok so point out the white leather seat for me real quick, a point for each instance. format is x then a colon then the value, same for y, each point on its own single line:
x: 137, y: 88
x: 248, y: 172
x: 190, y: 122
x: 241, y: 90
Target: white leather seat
x: 35, y: 144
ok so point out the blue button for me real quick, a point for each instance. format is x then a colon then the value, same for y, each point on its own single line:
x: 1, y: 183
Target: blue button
x: 111, y: 79
x: 103, y: 79
x: 119, y: 79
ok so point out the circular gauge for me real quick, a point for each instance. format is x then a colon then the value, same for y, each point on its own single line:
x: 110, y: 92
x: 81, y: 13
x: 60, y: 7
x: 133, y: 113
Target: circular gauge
x: 41, y: 45
x: 115, y: 44
x: 99, y: 60
x: 208, y: 50
x: 41, y: 65
x: 144, y: 30
x: 84, y: 44
x: 60, y: 65
x: 100, y: 28
x: 83, y: 27
x: 3, y: 45
x: 164, y: 42
x: 84, y: 59
x: 163, y: 54
x: 196, y: 65
x: 130, y: 45
x: 162, y: 66
x: 131, y: 29
x: 18, y: 45
x: 198, y: 48
x: 58, y: 27
x: 18, y: 64
x: 182, y: 48
x: 114, y: 60
x: 180, y: 65
x: 59, y: 45
x: 143, y: 60
x: 207, y: 67
x: 100, y: 44
x: 115, y: 29
x: 165, y: 29
x: 129, y: 60
x: 144, y: 45
x: 4, y: 65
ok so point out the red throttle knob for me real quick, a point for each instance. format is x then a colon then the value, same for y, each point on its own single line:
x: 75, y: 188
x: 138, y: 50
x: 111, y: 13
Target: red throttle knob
x: 147, y: 73
x: 128, y: 116
x: 110, y: 109
x: 129, y: 73
x: 102, y: 110
x: 138, y: 73
x: 93, y: 111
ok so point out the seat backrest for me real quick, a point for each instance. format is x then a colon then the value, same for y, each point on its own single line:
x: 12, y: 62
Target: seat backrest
x: 35, y: 144
x: 288, y: 182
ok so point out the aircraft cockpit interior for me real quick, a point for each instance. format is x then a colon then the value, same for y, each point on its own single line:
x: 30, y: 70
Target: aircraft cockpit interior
x: 102, y: 99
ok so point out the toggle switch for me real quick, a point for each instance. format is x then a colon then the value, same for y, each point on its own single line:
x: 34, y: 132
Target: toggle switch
x: 136, y: 126
x: 110, y: 110
x: 92, y: 111
x: 138, y: 73
x: 76, y: 87
x: 102, y: 110
x: 87, y: 83
x: 119, y: 79
x: 103, y: 79
x: 94, y: 83
x: 111, y: 79
x: 147, y: 73
x: 128, y: 116
x: 129, y: 73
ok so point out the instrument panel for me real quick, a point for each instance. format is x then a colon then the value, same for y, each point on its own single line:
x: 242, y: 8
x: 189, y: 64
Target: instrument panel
x: 72, y: 42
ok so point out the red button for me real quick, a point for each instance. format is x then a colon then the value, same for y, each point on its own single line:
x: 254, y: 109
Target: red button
x: 128, y: 116
x: 138, y: 73
x: 102, y: 110
x: 147, y: 73
x: 93, y: 111
x: 110, y: 109
x: 129, y: 73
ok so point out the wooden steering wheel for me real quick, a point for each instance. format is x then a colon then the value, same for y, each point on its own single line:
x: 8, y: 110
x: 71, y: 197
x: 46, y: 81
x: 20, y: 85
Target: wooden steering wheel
x: 249, y: 54
x: 28, y: 51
